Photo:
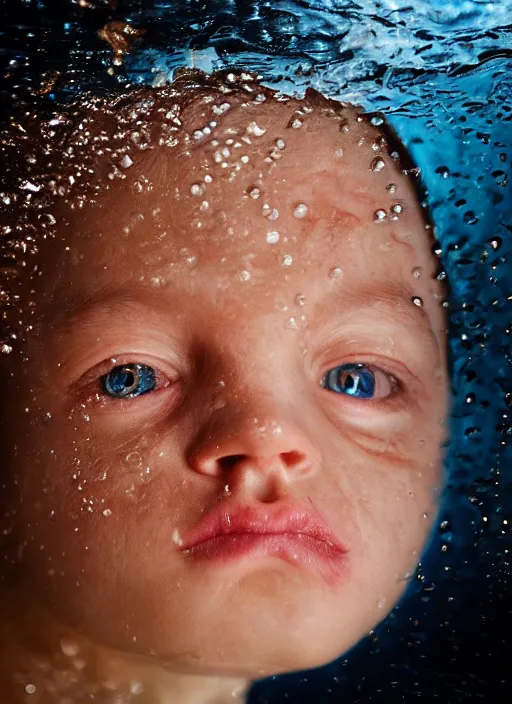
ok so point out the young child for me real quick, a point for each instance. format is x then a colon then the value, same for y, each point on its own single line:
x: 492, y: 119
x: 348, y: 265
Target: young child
x: 225, y: 400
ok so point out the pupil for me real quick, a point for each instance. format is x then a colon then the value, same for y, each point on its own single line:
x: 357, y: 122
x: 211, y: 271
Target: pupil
x: 122, y: 379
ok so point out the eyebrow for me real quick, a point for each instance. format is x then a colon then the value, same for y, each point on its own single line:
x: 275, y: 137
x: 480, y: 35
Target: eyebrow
x: 109, y: 299
x: 392, y: 299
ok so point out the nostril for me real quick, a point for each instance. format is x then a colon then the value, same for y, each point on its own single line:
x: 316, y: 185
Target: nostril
x: 230, y: 461
x: 292, y: 458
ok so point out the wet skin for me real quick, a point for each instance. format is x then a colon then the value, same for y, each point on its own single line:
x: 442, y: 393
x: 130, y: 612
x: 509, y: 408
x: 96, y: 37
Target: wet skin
x: 241, y: 331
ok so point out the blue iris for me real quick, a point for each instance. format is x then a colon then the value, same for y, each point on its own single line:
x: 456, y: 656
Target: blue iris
x: 129, y: 381
x: 350, y: 379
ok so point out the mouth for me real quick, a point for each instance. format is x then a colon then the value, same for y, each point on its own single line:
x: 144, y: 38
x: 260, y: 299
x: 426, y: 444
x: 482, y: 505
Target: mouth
x: 289, y: 533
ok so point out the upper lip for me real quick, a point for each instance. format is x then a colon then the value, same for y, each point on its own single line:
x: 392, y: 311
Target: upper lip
x: 264, y: 520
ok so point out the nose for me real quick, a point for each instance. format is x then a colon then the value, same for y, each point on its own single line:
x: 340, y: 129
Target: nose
x: 254, y: 439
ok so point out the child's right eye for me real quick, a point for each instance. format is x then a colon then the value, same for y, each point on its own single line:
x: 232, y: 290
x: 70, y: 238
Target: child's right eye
x: 129, y: 381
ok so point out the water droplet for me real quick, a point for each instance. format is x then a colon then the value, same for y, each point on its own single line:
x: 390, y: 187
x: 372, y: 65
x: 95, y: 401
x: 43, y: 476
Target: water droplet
x: 379, y: 215
x: 391, y: 187
x: 496, y: 242
x: 335, y: 273
x: 244, y: 159
x: 296, y: 123
x: 191, y: 261
x: 197, y: 189
x: 272, y: 237
x: 287, y: 260
x: 255, y: 129
x: 397, y: 208
x: 126, y: 162
x: 377, y: 120
x: 208, y: 178
x: 107, y: 512
x: 204, y: 205
x: 244, y: 275
x: 339, y: 152
x: 176, y: 538
x: 69, y: 648
x: 443, y: 171
x: 377, y: 164
x: 221, y: 109
x: 416, y: 272
x: 280, y: 143
x: 301, y: 210
x: 417, y: 301
x: 255, y: 192
x: 6, y: 349
x: 300, y: 299
x: 134, y: 459
x: 30, y: 689
x: 292, y: 324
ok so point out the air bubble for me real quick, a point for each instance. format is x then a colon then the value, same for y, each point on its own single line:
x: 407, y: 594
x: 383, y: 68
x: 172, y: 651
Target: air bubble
x: 377, y: 164
x: 272, y: 237
x: 301, y: 210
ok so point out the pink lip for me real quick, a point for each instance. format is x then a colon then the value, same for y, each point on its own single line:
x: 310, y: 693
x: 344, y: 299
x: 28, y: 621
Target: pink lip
x: 290, y: 532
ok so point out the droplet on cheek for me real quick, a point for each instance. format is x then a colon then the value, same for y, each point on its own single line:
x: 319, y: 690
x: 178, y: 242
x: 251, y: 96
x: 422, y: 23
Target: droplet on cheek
x: 301, y: 210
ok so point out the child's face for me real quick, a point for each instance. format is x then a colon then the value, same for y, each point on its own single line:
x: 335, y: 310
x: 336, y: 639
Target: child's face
x: 183, y: 274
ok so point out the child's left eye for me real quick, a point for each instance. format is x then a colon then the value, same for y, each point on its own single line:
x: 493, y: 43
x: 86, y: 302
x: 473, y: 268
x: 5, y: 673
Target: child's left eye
x: 129, y: 381
x: 359, y: 381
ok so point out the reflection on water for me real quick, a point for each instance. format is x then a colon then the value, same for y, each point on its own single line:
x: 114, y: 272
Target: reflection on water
x: 441, y: 73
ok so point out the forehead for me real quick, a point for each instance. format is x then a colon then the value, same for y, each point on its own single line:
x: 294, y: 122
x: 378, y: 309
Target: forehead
x: 260, y: 168
x: 273, y: 194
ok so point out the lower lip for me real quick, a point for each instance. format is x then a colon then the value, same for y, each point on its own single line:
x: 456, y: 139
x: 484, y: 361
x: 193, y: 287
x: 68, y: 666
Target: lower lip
x: 292, y: 547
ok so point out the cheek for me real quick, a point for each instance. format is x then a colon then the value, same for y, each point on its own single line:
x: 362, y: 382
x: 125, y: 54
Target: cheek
x: 394, y: 504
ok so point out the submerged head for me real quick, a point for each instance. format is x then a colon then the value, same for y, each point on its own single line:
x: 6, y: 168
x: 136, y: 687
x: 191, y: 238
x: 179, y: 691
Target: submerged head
x: 236, y: 308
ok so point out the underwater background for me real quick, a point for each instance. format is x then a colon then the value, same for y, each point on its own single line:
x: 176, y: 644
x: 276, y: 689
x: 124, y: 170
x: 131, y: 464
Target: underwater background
x: 440, y: 71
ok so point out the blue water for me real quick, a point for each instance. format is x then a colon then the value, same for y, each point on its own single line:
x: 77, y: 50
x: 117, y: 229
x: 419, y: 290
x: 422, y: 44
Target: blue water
x: 442, y: 74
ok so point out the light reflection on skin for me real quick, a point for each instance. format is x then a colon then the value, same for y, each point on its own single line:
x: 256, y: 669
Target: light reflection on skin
x: 155, y: 278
